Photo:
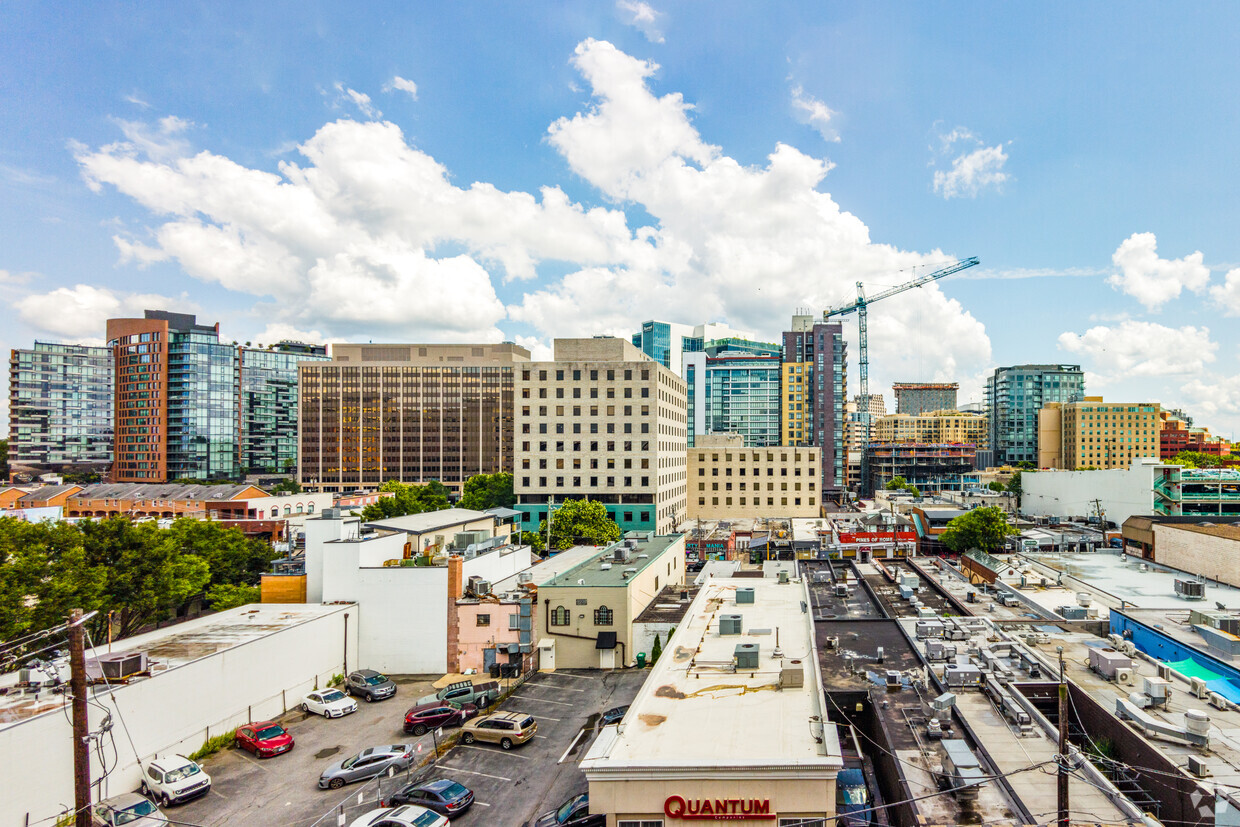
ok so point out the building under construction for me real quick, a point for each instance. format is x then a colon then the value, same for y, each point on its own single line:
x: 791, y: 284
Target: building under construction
x: 931, y: 467
x: 916, y: 398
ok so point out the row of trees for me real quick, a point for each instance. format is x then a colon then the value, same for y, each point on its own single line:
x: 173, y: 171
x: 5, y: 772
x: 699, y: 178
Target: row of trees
x: 137, y: 572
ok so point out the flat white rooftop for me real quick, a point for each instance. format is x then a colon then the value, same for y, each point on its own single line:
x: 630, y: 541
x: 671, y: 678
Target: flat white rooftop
x: 431, y: 520
x: 1120, y: 577
x: 697, y: 712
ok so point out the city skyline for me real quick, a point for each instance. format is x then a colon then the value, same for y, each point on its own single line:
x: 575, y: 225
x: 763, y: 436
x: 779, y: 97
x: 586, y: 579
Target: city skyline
x: 468, y: 175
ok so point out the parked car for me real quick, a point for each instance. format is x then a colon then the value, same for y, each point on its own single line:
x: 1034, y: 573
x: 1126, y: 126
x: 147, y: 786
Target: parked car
x: 613, y: 716
x: 371, y: 685
x: 424, y: 717
x: 572, y: 813
x: 130, y: 809
x: 407, y: 816
x: 445, y: 796
x: 330, y: 703
x: 852, y: 799
x: 508, y: 729
x: 465, y: 692
x: 264, y: 739
x: 368, y: 763
x: 173, y: 779
x: 694, y: 566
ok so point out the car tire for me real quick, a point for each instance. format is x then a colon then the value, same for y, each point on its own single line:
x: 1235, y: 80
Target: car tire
x: 419, y: 730
x: 348, y: 691
x: 506, y: 743
x: 165, y: 801
x: 336, y: 783
x: 467, y: 738
x: 369, y: 697
x: 305, y: 708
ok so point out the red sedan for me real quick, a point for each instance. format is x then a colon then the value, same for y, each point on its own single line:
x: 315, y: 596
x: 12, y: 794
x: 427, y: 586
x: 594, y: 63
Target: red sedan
x: 264, y: 739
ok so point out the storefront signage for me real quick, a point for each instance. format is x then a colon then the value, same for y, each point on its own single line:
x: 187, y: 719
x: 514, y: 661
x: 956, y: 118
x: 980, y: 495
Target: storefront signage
x: 718, y: 809
x: 874, y: 536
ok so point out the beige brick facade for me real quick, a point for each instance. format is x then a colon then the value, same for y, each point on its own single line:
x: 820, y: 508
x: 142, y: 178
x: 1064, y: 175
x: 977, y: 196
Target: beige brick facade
x: 728, y: 480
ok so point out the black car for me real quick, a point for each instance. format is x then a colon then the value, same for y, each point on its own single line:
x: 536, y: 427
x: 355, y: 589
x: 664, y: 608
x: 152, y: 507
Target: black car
x: 613, y: 716
x: 572, y: 813
x: 371, y: 685
x: 445, y: 796
x: 694, y: 566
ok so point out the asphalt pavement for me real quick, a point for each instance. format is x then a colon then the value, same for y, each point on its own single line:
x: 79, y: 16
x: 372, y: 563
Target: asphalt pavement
x: 510, y: 787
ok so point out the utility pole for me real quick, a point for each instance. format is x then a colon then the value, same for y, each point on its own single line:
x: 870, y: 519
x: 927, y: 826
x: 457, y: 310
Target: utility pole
x: 1063, y: 744
x: 81, y: 721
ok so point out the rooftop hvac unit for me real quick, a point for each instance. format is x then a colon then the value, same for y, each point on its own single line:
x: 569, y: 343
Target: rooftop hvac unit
x: 122, y: 664
x: 1124, y: 675
x: 605, y: 567
x: 1190, y: 589
x: 783, y: 576
x: 620, y: 553
x: 478, y: 586
x: 1199, y: 688
x: 730, y: 624
x: 1158, y: 689
x: 525, y: 577
x: 1230, y: 625
x: 1218, y: 701
x: 1073, y: 612
x: 792, y: 675
x: 744, y: 594
x: 943, y: 703
x: 1197, y: 766
x: 893, y: 679
x: 746, y: 656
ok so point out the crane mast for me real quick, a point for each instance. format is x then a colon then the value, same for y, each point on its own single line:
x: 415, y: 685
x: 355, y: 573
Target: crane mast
x: 859, y: 307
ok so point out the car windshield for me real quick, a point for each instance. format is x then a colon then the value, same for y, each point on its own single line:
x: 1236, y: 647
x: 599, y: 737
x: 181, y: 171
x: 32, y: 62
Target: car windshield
x: 453, y: 791
x: 852, y: 795
x: 182, y: 773
x: 131, y: 814
x: 348, y: 762
x: 427, y: 819
x: 334, y: 695
x: 566, y: 809
x: 267, y: 733
x: 375, y: 680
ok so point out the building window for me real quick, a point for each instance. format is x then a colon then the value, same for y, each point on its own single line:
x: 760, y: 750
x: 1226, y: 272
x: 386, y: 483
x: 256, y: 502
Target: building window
x: 484, y: 620
x: 560, y: 616
x: 649, y: 822
x: 602, y: 616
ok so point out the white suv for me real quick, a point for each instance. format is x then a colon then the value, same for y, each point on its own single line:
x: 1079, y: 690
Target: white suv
x: 172, y: 779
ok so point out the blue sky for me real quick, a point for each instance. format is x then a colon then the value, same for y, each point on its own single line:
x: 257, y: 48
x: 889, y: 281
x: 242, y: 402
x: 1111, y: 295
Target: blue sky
x: 461, y: 171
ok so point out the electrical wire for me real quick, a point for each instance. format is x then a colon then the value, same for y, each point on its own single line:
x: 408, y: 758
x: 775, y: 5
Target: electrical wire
x: 10, y: 644
x: 115, y: 703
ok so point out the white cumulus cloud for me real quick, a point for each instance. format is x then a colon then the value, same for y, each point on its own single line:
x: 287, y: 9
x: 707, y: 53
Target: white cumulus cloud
x: 815, y: 113
x: 1227, y: 294
x: 642, y: 17
x: 1132, y: 348
x: 1214, y: 396
x: 972, y: 172
x: 402, y: 85
x: 359, y: 99
x: 83, y: 309
x: 1151, y: 280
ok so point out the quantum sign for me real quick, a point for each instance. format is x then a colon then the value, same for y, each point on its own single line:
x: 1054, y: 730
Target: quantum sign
x: 718, y: 809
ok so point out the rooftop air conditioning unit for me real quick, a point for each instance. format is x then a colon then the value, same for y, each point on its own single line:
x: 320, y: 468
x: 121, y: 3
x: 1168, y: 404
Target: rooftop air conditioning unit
x: 123, y: 664
x: 745, y: 594
x: 746, y: 656
x: 1190, y: 589
x: 1197, y: 766
x: 620, y: 554
x: 525, y: 577
x: 730, y: 624
x: 783, y: 576
x: 1199, y: 688
x: 606, y: 567
x: 1124, y: 675
x: 1218, y: 701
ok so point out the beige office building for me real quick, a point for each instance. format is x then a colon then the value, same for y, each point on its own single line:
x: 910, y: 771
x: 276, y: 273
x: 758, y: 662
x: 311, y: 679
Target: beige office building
x: 1096, y: 434
x: 586, y: 613
x: 938, y: 428
x: 411, y: 413
x: 602, y: 422
x: 728, y: 480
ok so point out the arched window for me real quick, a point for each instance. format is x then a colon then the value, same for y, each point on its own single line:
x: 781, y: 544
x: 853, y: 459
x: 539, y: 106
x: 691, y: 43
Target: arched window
x: 275, y: 511
x: 300, y: 508
x: 288, y: 509
x: 559, y: 616
x: 310, y: 508
x: 602, y: 616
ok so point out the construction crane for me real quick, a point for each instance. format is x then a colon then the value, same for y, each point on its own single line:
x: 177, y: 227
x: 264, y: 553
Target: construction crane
x: 859, y: 307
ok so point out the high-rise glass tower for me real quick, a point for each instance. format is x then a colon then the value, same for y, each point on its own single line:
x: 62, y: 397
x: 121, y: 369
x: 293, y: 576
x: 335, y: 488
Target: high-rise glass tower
x: 815, y: 388
x: 269, y: 396
x: 734, y: 388
x: 60, y: 407
x: 1014, y: 397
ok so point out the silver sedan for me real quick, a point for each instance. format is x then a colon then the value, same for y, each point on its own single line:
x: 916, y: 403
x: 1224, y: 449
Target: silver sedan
x: 368, y: 763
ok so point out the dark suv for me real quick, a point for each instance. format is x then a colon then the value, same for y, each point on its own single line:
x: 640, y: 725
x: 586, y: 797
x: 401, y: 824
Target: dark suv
x: 428, y: 716
x: 371, y: 685
x: 572, y: 813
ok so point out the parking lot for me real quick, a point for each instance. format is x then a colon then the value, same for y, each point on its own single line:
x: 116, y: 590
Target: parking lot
x: 510, y: 787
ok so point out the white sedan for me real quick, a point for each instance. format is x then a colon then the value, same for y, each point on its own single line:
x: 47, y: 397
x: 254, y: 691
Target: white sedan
x: 330, y: 703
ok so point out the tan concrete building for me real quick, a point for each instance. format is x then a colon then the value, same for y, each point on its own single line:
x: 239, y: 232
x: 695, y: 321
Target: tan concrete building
x: 938, y: 427
x: 729, y: 726
x: 728, y: 480
x: 602, y: 422
x: 795, y: 389
x: 1208, y: 550
x: 586, y: 613
x: 412, y: 413
x: 1096, y: 434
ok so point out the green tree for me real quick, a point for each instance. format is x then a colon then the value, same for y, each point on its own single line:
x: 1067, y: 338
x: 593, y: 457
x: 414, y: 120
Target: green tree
x: 231, y: 557
x: 580, y: 522
x: 483, y: 491
x: 4, y: 459
x: 896, y: 484
x: 656, y: 649
x: 225, y: 596
x: 982, y: 528
x: 533, y: 539
x: 996, y: 486
x: 1015, y: 486
x: 1197, y: 459
x: 407, y: 499
x: 285, y: 487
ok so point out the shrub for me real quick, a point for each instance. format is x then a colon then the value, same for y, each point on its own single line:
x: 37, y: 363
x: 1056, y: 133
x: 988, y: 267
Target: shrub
x: 211, y: 746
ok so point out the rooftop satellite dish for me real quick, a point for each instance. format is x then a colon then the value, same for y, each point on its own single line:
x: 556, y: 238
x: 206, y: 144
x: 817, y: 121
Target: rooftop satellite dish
x: 1221, y: 607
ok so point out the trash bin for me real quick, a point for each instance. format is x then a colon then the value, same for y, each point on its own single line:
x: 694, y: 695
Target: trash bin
x: 641, y: 660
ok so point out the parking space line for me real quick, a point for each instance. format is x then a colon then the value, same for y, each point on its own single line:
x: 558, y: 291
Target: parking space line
x: 249, y: 760
x: 570, y: 746
x: 481, y: 803
x: 500, y: 751
x: 549, y: 718
x: 556, y: 688
x: 540, y: 700
x: 566, y: 675
x: 472, y: 772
